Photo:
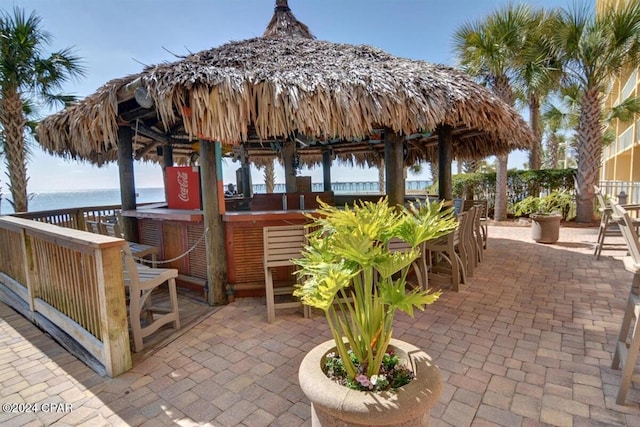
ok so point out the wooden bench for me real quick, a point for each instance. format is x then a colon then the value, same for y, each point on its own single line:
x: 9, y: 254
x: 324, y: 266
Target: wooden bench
x: 141, y: 281
x: 281, y: 245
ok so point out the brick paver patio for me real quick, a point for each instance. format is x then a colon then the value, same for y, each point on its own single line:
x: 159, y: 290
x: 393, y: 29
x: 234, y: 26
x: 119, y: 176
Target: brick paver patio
x: 528, y: 341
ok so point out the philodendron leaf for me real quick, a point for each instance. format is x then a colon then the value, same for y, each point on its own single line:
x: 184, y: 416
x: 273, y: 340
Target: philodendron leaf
x: 394, y: 262
x: 397, y: 297
x: 320, y: 287
x: 425, y: 222
x: 355, y: 247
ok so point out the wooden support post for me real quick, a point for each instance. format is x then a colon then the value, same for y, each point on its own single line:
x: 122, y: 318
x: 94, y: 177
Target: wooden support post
x: 288, y: 156
x: 245, y: 167
x: 113, y: 311
x: 394, y: 162
x: 387, y: 169
x: 167, y: 161
x: 79, y: 219
x: 211, y: 179
x: 127, y: 182
x: 445, y: 141
x: 30, y: 282
x: 326, y: 170
x: 167, y: 155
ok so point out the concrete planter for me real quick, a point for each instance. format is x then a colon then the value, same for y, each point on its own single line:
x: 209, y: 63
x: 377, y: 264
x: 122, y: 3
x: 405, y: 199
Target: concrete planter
x: 336, y: 405
x: 545, y: 228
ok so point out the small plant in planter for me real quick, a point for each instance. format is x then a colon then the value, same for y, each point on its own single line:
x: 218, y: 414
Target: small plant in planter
x: 554, y: 203
x: 349, y: 272
x: 545, y: 214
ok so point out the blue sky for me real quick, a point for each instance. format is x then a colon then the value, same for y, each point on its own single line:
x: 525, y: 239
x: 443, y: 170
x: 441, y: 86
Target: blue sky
x: 116, y: 37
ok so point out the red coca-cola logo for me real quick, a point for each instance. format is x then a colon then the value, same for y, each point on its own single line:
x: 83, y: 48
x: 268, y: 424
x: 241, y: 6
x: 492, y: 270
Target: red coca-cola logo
x: 183, y: 183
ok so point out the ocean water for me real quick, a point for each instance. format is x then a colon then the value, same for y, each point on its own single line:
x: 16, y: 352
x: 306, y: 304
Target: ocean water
x: 50, y: 200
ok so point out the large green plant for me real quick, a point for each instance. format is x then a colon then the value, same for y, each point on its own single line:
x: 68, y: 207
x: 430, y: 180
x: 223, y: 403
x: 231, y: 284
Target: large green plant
x: 556, y: 202
x: 351, y: 274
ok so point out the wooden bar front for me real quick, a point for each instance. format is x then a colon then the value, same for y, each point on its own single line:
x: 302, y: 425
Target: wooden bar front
x: 177, y: 231
x: 243, y: 239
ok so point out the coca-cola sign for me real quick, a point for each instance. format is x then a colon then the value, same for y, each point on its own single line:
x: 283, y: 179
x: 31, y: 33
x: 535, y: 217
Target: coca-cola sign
x: 183, y: 185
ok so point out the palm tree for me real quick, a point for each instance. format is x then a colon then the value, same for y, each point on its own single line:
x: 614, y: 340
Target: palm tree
x: 470, y: 166
x: 270, y: 176
x: 593, y: 48
x: 559, y: 118
x: 553, y: 117
x: 537, y: 74
x: 433, y: 171
x: 27, y: 77
x: 563, y: 117
x: 488, y: 49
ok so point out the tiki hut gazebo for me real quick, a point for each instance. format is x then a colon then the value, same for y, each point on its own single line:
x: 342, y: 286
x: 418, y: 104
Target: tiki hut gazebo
x: 287, y: 88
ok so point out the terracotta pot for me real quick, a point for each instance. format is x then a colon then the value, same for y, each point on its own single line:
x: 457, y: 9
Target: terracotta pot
x: 545, y: 228
x: 336, y: 405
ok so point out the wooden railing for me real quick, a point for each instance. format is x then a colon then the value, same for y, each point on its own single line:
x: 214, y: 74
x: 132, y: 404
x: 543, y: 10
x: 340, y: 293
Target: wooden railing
x: 70, y: 283
x: 71, y: 217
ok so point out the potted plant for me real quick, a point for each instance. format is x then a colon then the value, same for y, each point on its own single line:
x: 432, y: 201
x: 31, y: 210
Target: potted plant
x: 362, y: 376
x: 545, y: 213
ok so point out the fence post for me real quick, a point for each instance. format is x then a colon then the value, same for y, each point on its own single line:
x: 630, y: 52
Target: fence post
x: 80, y: 224
x: 622, y: 197
x: 31, y: 282
x: 113, y: 310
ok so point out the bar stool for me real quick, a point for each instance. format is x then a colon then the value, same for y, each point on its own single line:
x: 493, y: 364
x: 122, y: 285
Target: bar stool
x: 608, y: 227
x: 444, y: 261
x: 628, y: 345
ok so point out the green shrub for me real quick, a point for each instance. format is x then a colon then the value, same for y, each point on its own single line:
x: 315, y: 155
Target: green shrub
x: 520, y: 185
x: 556, y: 202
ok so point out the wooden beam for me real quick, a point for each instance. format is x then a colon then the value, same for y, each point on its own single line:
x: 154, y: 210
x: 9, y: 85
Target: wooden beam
x: 167, y: 161
x: 247, y: 184
x: 469, y: 134
x: 326, y: 170
x: 127, y: 182
x: 211, y: 181
x: 131, y: 112
x: 126, y: 92
x: 394, y: 165
x: 445, y: 141
x: 145, y: 130
x: 147, y: 148
x: 387, y: 176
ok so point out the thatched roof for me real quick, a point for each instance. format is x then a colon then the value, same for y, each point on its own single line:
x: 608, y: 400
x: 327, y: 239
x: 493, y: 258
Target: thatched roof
x: 284, y: 84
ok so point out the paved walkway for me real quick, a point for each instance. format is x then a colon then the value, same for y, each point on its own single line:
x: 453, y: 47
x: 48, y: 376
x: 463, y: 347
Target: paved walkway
x: 528, y: 341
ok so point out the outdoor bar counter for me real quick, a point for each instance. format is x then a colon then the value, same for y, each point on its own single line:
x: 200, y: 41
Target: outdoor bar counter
x: 175, y: 231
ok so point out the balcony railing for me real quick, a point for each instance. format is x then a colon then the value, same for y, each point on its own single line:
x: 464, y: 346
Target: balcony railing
x: 629, y: 86
x: 626, y: 139
x: 614, y: 188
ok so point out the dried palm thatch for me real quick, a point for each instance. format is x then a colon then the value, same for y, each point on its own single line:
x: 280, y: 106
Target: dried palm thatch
x: 287, y: 83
